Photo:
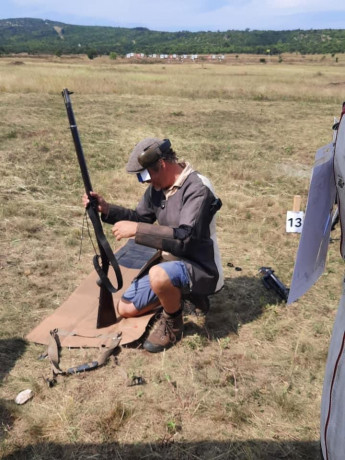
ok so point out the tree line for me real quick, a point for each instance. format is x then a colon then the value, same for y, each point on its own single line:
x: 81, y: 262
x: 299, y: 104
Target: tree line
x: 35, y: 36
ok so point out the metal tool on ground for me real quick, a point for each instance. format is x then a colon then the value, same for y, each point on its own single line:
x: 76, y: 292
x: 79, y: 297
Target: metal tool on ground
x: 271, y: 281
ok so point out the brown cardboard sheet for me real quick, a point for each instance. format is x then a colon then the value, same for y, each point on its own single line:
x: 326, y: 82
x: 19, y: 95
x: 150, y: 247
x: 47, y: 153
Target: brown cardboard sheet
x: 76, y: 318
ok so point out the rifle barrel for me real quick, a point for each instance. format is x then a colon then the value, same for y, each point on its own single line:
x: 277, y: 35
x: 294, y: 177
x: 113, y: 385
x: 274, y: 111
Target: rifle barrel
x: 77, y: 142
x: 106, y: 311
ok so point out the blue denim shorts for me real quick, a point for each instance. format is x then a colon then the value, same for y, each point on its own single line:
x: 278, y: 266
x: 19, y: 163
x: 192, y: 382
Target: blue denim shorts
x: 140, y: 293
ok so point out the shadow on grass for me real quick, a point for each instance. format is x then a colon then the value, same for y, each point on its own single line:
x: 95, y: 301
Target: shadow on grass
x: 242, y: 300
x: 10, y: 351
x: 167, y: 449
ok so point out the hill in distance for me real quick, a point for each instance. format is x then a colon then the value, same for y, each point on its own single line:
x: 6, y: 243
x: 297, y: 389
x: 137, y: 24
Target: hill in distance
x: 36, y: 36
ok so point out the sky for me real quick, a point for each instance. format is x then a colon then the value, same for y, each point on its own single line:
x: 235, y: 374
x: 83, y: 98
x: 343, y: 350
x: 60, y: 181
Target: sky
x: 192, y: 15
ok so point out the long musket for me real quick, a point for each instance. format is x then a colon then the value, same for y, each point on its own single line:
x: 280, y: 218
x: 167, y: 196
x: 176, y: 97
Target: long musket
x: 106, y: 311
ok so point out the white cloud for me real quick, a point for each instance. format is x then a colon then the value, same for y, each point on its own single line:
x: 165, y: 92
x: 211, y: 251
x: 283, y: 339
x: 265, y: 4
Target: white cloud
x: 304, y: 6
x: 186, y: 14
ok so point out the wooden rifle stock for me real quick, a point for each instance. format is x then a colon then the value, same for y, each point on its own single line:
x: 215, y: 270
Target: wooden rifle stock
x: 106, y: 311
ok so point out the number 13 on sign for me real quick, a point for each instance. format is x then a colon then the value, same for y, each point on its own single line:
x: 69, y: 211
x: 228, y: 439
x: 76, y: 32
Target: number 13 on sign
x: 294, y: 221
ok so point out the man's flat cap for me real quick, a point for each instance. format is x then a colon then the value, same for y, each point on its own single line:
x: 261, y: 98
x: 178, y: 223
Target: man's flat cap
x: 133, y: 165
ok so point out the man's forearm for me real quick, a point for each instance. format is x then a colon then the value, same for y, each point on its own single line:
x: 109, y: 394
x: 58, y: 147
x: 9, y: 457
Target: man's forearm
x: 153, y: 235
x: 116, y: 213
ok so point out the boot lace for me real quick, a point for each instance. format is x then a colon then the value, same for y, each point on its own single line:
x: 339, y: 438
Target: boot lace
x: 165, y: 328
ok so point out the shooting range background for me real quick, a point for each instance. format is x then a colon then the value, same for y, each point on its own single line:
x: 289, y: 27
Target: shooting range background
x: 239, y: 383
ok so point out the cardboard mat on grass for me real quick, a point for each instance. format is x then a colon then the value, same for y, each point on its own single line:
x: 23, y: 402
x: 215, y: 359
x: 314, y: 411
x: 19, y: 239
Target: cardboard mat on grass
x: 76, y: 318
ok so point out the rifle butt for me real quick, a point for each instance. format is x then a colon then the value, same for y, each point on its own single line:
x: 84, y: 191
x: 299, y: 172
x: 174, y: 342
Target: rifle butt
x: 106, y: 315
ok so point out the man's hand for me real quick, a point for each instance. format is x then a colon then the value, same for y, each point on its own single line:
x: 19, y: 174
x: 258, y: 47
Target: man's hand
x: 124, y: 229
x: 103, y: 206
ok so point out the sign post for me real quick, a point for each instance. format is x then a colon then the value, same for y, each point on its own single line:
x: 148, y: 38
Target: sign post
x: 294, y: 218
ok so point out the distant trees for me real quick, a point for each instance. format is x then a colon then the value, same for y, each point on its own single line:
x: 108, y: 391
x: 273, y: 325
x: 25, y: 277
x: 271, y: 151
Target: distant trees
x: 91, y: 53
x: 38, y: 36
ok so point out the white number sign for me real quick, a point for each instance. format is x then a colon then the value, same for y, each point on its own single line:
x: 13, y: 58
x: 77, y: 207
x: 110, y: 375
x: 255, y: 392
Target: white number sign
x: 294, y: 221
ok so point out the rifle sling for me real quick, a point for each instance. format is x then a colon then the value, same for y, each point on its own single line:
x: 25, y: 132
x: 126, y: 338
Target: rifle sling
x: 54, y: 357
x: 103, y: 244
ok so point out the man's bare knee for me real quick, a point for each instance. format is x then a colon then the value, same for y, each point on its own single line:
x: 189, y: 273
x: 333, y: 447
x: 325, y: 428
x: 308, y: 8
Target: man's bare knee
x: 126, y: 309
x: 159, y: 279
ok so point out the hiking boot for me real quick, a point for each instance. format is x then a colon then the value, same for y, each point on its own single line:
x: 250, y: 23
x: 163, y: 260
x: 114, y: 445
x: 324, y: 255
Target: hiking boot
x: 165, y: 333
x: 196, y: 305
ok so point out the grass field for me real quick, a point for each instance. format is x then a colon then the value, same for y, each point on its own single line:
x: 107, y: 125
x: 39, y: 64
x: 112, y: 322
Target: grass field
x: 244, y: 384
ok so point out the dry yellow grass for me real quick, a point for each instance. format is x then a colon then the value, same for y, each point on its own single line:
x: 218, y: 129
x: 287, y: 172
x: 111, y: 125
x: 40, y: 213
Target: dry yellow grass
x: 247, y: 383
